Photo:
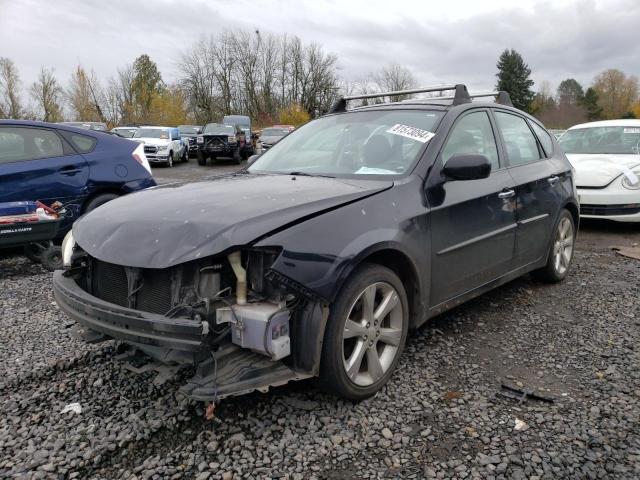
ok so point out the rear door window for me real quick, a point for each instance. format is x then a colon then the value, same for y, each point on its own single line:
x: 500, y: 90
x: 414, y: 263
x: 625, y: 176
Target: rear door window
x: 519, y: 141
x: 19, y: 144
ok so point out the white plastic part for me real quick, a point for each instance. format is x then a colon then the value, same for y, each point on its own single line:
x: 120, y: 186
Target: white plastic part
x: 241, y: 277
x: 68, y: 244
x: 139, y: 156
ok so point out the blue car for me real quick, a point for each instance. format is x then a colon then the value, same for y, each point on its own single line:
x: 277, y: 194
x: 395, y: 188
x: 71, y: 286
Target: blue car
x: 80, y: 168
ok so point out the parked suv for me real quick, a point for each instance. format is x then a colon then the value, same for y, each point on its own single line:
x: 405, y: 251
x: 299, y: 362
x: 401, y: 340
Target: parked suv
x: 162, y: 145
x: 246, y: 140
x: 80, y: 168
x: 321, y: 256
x: 218, y: 140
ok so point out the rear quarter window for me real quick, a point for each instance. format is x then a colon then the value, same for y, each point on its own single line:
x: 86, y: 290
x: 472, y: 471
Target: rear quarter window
x: 82, y: 143
x: 544, y: 137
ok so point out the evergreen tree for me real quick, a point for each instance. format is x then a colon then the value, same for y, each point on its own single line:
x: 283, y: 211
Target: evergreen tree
x: 513, y: 77
x: 570, y: 92
x: 590, y: 103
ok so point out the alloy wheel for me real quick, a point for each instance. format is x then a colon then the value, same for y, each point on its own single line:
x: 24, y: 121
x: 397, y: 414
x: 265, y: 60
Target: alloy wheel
x: 563, y: 246
x: 372, y: 334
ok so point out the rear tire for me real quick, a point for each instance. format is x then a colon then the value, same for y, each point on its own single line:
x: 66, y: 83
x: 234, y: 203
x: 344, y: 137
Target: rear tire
x: 33, y: 251
x: 51, y: 258
x: 99, y: 200
x: 561, y: 250
x: 364, y: 339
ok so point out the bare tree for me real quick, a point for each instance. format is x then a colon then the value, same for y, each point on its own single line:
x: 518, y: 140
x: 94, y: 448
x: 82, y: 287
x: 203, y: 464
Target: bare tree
x: 394, y: 77
x: 256, y: 74
x: 10, y: 105
x: 47, y: 94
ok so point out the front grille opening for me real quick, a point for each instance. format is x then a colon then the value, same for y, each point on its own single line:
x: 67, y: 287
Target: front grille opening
x: 109, y: 283
x: 627, y: 209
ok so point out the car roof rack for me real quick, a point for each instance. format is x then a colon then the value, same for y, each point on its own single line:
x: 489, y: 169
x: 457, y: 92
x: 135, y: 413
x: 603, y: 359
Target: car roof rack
x: 460, y: 96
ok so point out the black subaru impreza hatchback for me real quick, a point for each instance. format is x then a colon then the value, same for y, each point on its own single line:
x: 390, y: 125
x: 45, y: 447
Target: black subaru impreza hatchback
x: 319, y: 257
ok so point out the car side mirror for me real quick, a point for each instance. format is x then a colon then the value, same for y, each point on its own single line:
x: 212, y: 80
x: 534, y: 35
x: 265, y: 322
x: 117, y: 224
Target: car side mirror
x: 252, y: 159
x: 467, y: 167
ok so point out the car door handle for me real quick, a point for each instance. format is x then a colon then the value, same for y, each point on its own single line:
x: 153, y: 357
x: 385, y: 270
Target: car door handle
x: 553, y: 180
x: 70, y: 170
x: 507, y: 194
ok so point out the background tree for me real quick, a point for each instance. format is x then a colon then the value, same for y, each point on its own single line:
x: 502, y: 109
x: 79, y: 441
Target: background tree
x: 569, y: 92
x: 294, y: 115
x: 47, y: 95
x: 394, y: 77
x: 85, y: 96
x: 617, y: 93
x: 513, y: 77
x: 146, y: 84
x: 168, y: 107
x: 544, y: 106
x: 10, y: 105
x: 590, y: 102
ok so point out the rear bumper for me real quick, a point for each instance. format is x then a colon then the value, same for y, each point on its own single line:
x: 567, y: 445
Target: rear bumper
x: 125, y: 324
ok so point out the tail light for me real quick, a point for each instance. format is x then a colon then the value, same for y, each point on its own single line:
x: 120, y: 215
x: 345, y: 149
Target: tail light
x: 139, y: 156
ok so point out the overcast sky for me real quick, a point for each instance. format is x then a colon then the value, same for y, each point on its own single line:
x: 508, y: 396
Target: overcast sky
x: 450, y: 41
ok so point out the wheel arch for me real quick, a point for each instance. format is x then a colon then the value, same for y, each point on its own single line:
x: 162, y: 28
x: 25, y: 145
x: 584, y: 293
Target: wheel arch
x: 398, y: 261
x: 96, y: 194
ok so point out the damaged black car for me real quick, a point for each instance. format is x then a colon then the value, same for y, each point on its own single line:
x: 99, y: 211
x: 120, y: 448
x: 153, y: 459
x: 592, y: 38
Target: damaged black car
x: 320, y: 257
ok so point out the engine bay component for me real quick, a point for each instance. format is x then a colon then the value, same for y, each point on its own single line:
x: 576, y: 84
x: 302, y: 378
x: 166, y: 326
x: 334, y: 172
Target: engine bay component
x: 260, y: 326
x: 235, y: 259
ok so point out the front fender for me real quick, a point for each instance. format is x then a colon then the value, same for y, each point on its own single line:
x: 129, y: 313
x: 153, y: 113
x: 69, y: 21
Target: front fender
x: 321, y: 252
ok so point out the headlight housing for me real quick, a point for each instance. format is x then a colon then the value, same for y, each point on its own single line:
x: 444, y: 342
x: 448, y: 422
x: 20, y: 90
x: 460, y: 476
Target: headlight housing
x: 631, y: 180
x: 68, y: 245
x: 162, y: 148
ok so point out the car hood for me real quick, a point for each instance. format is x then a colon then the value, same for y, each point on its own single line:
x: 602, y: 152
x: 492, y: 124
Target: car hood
x: 152, y: 141
x: 599, y: 170
x: 176, y: 223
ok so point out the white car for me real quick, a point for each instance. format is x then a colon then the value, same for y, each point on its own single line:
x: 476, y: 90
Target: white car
x: 606, y: 159
x: 162, y: 145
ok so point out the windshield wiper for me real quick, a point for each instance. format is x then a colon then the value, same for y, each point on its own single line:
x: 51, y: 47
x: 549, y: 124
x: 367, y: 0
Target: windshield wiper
x: 305, y: 174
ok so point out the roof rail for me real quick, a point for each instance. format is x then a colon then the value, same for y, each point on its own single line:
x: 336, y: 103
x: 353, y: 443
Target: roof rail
x: 461, y: 95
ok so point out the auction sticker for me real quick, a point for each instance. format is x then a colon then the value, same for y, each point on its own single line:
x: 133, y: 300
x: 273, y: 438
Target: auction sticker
x: 411, y: 132
x: 632, y: 130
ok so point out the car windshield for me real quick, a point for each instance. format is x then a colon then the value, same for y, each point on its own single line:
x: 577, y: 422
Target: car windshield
x: 213, y: 129
x: 612, y: 140
x: 375, y: 142
x: 125, y: 132
x: 152, y: 133
x: 188, y: 130
x: 274, y: 132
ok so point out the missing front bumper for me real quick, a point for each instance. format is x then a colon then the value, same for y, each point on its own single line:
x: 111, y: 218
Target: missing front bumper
x: 123, y: 323
x: 229, y: 371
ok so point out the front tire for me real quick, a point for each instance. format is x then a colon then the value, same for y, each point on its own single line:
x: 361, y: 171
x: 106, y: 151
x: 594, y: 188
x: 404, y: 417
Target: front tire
x: 170, y: 160
x: 366, y: 332
x: 202, y: 160
x: 51, y: 258
x: 561, y: 251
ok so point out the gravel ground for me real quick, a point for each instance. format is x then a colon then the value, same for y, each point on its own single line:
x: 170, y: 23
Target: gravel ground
x: 575, y: 344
